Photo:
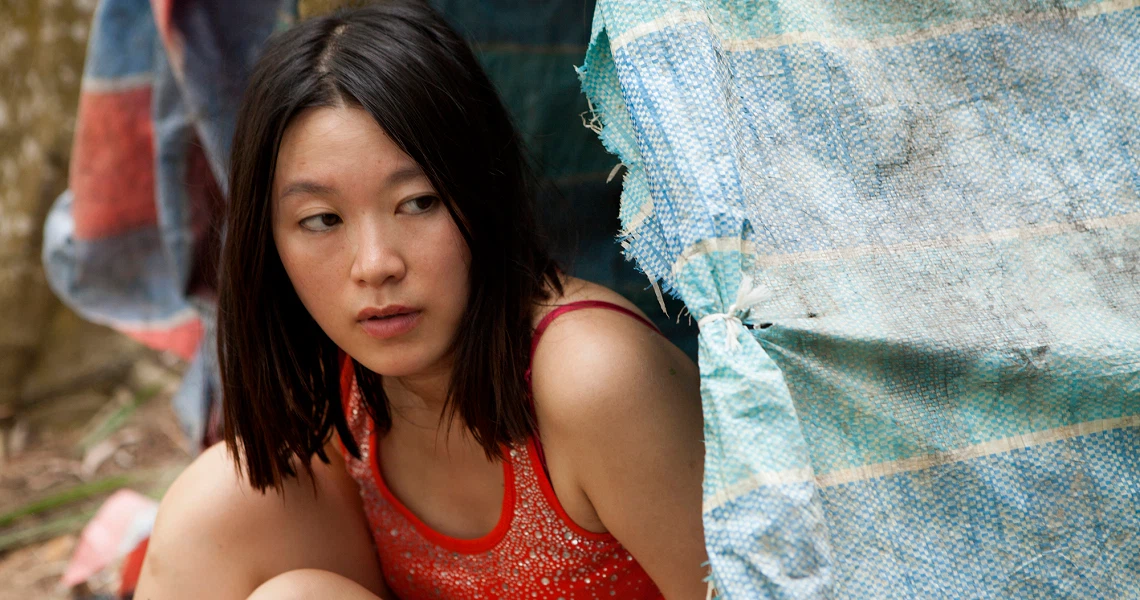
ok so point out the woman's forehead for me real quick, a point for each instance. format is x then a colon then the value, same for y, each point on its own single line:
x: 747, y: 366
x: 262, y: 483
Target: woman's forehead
x: 332, y: 146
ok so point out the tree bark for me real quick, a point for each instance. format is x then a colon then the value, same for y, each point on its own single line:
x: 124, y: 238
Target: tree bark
x: 41, y: 65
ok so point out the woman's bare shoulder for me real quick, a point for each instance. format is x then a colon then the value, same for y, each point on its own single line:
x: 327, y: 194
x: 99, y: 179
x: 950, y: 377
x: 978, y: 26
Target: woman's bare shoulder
x: 587, y: 357
x: 619, y: 412
x: 212, y: 496
x: 202, y: 523
x: 217, y: 537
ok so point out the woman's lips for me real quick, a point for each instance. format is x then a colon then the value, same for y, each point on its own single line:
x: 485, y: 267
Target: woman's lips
x: 388, y: 327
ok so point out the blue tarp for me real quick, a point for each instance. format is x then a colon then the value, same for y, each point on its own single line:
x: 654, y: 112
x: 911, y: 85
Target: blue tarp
x: 931, y: 385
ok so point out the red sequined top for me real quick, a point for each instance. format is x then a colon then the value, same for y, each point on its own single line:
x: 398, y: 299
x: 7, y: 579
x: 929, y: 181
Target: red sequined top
x: 534, y: 552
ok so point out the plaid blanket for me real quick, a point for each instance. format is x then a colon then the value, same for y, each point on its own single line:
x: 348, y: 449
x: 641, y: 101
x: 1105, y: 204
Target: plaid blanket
x: 129, y: 244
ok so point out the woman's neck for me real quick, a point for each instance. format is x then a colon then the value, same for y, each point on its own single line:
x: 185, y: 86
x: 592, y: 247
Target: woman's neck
x: 416, y: 405
x: 418, y: 398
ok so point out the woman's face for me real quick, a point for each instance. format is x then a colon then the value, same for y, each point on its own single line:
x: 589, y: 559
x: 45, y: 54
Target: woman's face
x: 369, y: 246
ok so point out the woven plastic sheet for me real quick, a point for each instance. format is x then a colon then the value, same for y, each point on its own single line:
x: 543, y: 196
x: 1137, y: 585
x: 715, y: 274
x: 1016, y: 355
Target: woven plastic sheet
x: 931, y: 385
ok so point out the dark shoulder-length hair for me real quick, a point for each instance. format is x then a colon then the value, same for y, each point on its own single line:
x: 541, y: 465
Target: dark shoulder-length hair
x: 419, y: 80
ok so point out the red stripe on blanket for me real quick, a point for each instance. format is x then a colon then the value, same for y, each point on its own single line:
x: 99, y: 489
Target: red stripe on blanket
x: 112, y: 167
x: 182, y: 340
x: 171, y: 37
x: 161, y: 10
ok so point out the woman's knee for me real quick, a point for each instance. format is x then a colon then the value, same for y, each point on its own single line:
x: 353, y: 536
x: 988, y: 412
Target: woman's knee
x: 311, y: 584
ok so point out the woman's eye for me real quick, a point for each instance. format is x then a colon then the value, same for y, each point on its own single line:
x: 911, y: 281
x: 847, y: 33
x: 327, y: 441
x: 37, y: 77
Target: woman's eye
x: 321, y: 222
x: 421, y: 204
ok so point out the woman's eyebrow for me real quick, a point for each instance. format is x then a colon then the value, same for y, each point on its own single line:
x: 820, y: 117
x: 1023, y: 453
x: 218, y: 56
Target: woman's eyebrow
x: 405, y: 173
x: 313, y: 188
x: 305, y: 186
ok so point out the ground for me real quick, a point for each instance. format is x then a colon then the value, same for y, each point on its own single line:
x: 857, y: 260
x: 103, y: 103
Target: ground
x: 68, y: 453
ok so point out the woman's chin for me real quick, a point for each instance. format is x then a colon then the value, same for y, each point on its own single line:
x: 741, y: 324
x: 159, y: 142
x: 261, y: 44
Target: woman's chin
x: 405, y: 364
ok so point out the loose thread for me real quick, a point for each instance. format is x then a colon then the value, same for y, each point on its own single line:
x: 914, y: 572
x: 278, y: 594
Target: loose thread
x: 660, y: 296
x: 594, y: 123
x: 614, y: 172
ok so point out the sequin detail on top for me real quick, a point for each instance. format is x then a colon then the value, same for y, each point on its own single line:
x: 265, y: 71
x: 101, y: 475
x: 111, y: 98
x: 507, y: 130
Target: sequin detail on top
x: 535, y: 551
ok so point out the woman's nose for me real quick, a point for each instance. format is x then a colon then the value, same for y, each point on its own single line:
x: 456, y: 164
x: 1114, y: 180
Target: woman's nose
x: 377, y: 259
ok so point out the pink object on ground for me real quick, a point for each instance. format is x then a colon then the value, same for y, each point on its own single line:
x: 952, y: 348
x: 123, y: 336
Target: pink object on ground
x: 124, y: 519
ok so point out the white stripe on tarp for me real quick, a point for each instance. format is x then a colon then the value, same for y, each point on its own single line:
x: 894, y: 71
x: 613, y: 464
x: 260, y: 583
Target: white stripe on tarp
x: 957, y: 27
x: 919, y: 463
x: 109, y: 85
x: 790, y: 39
x: 1002, y: 446
x: 732, y: 492
x: 658, y: 24
x: 643, y: 212
x: 711, y: 245
x: 1001, y: 235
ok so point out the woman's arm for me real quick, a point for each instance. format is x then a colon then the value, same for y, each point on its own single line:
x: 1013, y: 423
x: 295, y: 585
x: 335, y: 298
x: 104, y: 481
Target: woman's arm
x: 215, y: 537
x: 619, y: 410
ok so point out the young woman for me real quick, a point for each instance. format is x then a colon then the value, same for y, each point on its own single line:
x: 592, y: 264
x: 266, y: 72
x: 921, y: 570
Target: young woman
x: 485, y: 425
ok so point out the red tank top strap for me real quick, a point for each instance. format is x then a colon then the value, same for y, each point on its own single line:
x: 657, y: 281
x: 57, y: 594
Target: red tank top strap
x: 571, y: 307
